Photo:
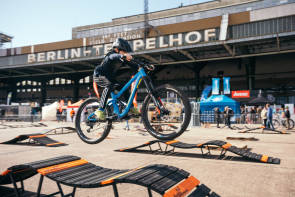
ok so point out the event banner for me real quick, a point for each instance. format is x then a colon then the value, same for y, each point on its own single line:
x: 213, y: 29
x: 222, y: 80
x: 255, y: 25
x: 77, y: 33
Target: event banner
x: 226, y: 85
x: 215, y: 85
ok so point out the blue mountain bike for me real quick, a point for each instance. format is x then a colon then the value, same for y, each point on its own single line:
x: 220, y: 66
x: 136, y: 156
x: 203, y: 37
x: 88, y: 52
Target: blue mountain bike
x: 165, y: 112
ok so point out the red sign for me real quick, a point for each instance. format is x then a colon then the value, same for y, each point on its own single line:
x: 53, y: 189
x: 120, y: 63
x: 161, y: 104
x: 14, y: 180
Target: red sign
x: 240, y: 94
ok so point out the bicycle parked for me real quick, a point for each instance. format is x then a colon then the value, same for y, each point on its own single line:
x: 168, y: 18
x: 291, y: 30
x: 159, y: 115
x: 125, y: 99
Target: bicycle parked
x: 166, y: 111
x: 277, y: 122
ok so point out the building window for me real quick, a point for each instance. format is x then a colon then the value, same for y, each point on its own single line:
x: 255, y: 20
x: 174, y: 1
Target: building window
x: 63, y: 81
x: 57, y: 81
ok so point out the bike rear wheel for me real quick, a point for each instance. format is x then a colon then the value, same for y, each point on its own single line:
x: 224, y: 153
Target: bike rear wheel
x: 166, y: 126
x: 88, y: 127
x: 291, y: 122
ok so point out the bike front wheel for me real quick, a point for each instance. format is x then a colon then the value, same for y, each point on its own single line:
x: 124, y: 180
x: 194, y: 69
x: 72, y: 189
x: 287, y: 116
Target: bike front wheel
x: 88, y: 127
x: 276, y: 124
x: 169, y: 125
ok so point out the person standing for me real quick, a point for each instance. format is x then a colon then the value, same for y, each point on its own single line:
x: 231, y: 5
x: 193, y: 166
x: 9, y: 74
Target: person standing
x: 288, y: 116
x: 217, y: 116
x: 72, y: 114
x: 58, y: 115
x: 264, y: 116
x: 243, y: 115
x: 269, y: 117
x: 228, y: 112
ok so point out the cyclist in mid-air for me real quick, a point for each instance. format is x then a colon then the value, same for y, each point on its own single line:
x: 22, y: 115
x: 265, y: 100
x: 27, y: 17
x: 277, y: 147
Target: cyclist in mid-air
x: 106, y: 73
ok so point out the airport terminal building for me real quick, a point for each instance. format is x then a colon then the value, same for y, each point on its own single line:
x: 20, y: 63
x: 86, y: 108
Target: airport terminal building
x: 250, y: 41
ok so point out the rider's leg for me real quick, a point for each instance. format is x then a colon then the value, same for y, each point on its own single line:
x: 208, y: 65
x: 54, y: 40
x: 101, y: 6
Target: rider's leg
x: 100, y: 113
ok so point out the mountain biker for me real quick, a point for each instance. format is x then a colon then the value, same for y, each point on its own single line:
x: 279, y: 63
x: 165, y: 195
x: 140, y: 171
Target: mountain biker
x: 105, y: 73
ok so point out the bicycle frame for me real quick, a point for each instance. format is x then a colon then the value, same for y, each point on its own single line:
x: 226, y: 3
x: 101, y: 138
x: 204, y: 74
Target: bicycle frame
x: 137, y: 78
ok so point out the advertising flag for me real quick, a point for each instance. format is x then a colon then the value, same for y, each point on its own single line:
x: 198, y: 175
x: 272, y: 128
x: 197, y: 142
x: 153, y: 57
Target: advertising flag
x: 226, y: 85
x: 215, y: 85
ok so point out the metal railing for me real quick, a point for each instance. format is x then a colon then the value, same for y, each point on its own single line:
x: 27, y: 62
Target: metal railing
x: 247, y: 120
x: 24, y: 118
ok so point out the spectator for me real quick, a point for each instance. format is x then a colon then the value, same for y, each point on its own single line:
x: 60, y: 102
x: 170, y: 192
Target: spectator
x: 58, y: 115
x: 217, y: 116
x: 264, y: 116
x: 269, y: 117
x: 228, y: 112
x: 288, y: 116
x: 259, y: 110
x: 252, y: 115
x: 72, y: 114
x: 243, y: 115
x: 127, y: 126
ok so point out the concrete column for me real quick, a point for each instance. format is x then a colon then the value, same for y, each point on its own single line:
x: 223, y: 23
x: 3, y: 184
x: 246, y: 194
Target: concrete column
x: 76, y: 90
x: 197, y: 69
x: 43, y: 93
x: 250, y: 66
x: 197, y: 84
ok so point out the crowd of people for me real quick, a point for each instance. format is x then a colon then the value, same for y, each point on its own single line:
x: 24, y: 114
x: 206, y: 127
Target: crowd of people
x: 252, y: 115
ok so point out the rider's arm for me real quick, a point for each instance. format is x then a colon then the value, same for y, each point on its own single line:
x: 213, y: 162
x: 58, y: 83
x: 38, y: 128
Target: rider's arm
x: 132, y: 64
x: 115, y: 56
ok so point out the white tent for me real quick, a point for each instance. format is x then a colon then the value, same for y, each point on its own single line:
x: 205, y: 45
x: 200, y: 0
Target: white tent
x: 49, y: 111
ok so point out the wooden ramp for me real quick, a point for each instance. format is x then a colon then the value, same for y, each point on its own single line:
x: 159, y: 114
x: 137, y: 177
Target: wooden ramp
x: 208, y: 145
x: 36, y: 138
x: 75, y: 172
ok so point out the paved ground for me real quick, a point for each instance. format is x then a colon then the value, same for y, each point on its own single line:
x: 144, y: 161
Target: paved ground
x: 227, y: 177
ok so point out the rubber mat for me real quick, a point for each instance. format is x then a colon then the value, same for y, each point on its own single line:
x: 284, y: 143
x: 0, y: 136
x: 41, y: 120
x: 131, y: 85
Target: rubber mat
x: 36, y: 138
x: 79, y: 173
x: 224, y: 145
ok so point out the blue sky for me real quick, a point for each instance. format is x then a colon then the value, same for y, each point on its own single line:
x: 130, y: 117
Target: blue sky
x: 41, y: 21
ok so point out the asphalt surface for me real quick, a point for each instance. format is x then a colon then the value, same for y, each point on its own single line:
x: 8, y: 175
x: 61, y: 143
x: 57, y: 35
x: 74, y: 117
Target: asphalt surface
x: 229, y: 176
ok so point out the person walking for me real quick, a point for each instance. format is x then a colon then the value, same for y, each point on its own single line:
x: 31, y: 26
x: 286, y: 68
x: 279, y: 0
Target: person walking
x: 269, y: 117
x: 288, y: 116
x: 264, y: 116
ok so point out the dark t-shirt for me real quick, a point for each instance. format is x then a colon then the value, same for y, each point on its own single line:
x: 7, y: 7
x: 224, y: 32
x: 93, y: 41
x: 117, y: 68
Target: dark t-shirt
x: 111, y: 64
x: 287, y: 113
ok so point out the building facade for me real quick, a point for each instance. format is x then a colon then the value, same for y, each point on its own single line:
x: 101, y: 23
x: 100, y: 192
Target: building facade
x: 250, y: 41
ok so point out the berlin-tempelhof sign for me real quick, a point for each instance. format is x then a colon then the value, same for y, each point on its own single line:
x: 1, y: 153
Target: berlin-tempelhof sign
x: 165, y: 41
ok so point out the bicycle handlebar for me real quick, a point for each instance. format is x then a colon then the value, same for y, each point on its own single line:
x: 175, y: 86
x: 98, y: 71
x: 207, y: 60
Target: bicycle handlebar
x: 149, y: 67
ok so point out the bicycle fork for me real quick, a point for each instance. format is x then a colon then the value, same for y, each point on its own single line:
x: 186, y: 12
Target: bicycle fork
x: 155, y: 97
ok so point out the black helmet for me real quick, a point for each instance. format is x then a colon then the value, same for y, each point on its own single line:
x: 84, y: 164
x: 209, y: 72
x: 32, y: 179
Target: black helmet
x: 122, y: 44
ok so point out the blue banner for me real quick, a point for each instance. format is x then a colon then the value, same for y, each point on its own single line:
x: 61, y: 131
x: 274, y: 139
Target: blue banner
x: 226, y: 85
x: 215, y: 85
x: 206, y: 92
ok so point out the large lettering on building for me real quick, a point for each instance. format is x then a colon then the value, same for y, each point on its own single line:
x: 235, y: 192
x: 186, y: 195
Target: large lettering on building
x: 166, y: 41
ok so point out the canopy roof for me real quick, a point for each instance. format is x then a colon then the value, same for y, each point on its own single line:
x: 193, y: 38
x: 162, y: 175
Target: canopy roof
x: 259, y: 100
